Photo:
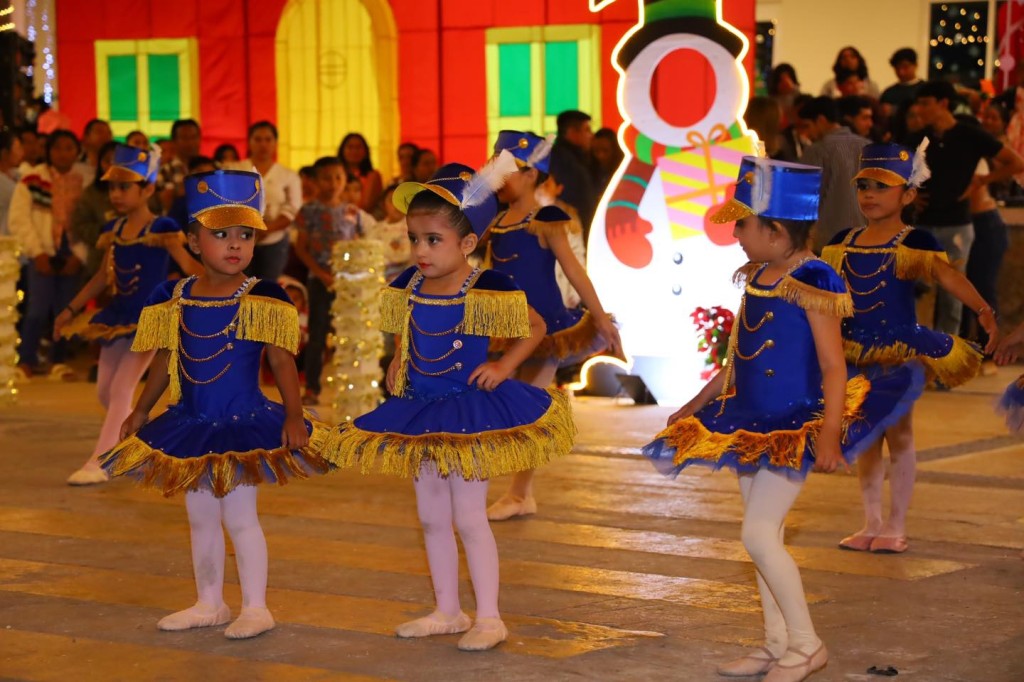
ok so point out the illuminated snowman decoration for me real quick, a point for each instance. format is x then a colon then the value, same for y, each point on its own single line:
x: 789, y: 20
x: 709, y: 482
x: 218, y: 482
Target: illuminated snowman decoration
x: 652, y: 254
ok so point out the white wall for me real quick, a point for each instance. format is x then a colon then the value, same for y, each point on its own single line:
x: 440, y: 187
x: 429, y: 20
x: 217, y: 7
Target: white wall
x: 809, y: 34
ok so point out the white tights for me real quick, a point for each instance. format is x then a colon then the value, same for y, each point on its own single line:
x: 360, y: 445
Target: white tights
x: 767, y: 498
x: 118, y: 374
x: 539, y: 374
x: 902, y: 471
x: 236, y: 511
x: 440, y: 502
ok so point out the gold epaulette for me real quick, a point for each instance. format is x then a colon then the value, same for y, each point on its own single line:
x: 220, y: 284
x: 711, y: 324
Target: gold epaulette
x: 832, y: 303
x: 917, y: 263
x: 503, y: 314
x: 268, y: 320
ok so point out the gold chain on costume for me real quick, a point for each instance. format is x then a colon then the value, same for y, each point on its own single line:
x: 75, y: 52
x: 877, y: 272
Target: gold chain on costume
x: 454, y: 368
x: 413, y: 286
x: 226, y: 347
x: 734, y: 337
x: 206, y: 381
x: 454, y: 330
x: 768, y: 317
x: 455, y: 347
x: 235, y: 202
x: 226, y: 331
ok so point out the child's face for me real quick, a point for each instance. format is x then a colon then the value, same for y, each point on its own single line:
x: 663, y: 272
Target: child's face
x: 759, y: 241
x: 225, y: 252
x: 517, y: 185
x: 63, y: 154
x: 905, y: 71
x: 330, y: 183
x: 878, y: 201
x: 125, y: 197
x: 436, y: 247
x: 354, y: 192
x: 309, y: 187
x: 297, y: 297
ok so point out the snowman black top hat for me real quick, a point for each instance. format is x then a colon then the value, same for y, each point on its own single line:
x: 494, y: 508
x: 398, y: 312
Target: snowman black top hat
x: 667, y: 17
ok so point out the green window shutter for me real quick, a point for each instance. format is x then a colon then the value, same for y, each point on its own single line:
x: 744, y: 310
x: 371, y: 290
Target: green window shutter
x: 124, y: 87
x: 514, y: 97
x: 561, y: 77
x: 164, y: 87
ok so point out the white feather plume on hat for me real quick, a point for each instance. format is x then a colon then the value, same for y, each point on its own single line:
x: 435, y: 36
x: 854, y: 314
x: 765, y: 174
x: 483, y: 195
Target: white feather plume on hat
x: 488, y: 179
x: 919, y: 171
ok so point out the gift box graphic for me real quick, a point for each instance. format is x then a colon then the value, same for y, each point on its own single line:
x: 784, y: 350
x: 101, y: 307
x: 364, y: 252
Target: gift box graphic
x: 701, y: 176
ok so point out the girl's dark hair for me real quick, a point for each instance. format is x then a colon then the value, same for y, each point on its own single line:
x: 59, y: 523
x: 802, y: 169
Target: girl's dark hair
x: 542, y: 177
x: 408, y: 145
x: 419, y: 154
x: 861, y: 69
x: 108, y: 148
x: 776, y: 75
x: 1003, y: 112
x: 219, y: 152
x: 799, y: 231
x: 262, y: 124
x: 7, y: 139
x: 60, y: 134
x: 366, y: 165
x: 430, y: 203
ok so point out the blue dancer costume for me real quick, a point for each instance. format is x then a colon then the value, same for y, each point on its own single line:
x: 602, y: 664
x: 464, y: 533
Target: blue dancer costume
x: 221, y: 430
x: 1011, y: 405
x: 515, y: 249
x: 135, y: 266
x: 771, y: 407
x: 884, y: 330
x: 435, y: 416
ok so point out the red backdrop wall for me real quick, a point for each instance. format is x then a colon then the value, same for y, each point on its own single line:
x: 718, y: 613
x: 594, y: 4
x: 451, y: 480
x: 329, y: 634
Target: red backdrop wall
x: 441, y: 79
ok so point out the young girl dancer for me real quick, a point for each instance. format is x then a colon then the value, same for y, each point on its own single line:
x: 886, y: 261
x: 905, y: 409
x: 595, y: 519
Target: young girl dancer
x: 222, y: 436
x: 1011, y: 404
x: 526, y: 241
x: 880, y: 263
x: 762, y: 415
x: 138, y: 248
x: 455, y: 419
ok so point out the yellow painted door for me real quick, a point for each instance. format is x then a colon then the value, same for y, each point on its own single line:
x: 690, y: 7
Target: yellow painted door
x: 336, y: 73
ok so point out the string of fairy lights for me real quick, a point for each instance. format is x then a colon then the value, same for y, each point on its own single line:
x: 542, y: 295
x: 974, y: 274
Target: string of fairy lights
x: 959, y: 39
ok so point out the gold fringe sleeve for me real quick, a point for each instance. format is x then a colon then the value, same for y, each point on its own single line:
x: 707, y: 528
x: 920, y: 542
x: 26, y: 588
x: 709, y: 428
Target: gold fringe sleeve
x: 158, y: 327
x: 394, y: 309
x: 546, y: 228
x: 833, y: 303
x: 504, y: 314
x: 473, y: 456
x: 961, y: 364
x: 744, y: 273
x: 105, y: 240
x: 268, y: 320
x: 833, y: 255
x: 164, y: 239
x: 917, y: 263
x: 695, y: 444
x: 562, y: 344
x: 218, y: 472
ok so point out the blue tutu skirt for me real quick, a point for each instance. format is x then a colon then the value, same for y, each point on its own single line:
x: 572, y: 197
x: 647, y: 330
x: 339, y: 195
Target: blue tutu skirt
x: 747, y: 441
x: 180, y: 451
x: 470, y: 433
x: 1011, y: 406
x: 947, y: 358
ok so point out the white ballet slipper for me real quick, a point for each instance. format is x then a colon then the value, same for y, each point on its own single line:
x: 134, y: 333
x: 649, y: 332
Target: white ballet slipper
x: 250, y: 623
x: 88, y: 476
x: 198, y: 616
x: 485, y: 634
x: 507, y: 507
x: 435, y: 624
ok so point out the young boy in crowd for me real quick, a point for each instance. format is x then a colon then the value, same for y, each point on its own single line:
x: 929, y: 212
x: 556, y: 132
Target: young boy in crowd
x: 321, y: 223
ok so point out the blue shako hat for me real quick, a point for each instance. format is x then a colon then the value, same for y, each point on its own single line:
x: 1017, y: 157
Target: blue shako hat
x: 132, y: 164
x: 471, y: 191
x: 529, y: 150
x: 773, y: 189
x: 225, y: 198
x: 894, y: 165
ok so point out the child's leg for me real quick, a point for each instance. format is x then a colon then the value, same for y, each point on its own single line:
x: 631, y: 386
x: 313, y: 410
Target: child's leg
x: 902, y: 472
x: 434, y: 504
x: 775, y: 636
x: 469, y: 499
x: 770, y: 497
x: 871, y: 476
x: 319, y: 326
x: 243, y: 523
x: 207, y: 537
x: 518, y: 499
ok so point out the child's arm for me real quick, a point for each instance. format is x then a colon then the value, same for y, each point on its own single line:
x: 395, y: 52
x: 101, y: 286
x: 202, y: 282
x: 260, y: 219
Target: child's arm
x: 93, y: 288
x: 302, y: 251
x: 828, y: 343
x: 490, y: 374
x: 558, y: 242
x: 954, y: 281
x: 189, y: 265
x: 282, y: 364
x: 1010, y: 347
x: 711, y: 390
x: 156, y: 384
